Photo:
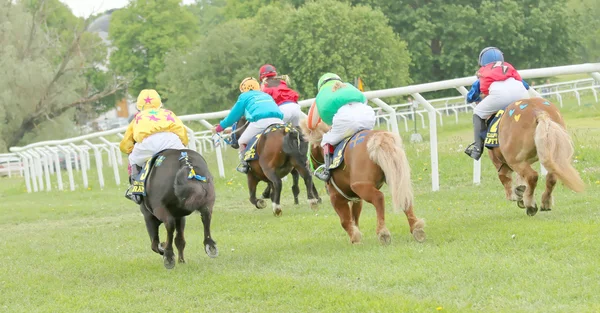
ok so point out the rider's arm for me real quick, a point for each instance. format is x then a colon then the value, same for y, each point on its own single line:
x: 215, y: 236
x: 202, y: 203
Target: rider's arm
x: 236, y: 112
x: 127, y: 142
x: 473, y: 95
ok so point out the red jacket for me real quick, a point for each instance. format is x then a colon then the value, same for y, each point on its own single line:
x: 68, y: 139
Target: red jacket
x: 493, y: 72
x: 281, y: 93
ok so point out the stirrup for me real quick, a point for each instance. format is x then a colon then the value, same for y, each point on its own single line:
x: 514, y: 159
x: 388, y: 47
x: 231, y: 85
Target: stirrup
x: 473, y: 151
x: 322, y: 173
x: 135, y: 198
x: 243, y: 168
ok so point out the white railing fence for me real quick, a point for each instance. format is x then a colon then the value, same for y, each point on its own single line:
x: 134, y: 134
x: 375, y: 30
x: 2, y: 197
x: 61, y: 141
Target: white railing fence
x: 42, y: 160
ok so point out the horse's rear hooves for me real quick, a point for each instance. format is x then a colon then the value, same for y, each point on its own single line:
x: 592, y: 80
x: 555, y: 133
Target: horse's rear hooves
x: 211, y: 251
x: 531, y: 211
x: 521, y: 204
x: 520, y: 190
x: 261, y: 204
x: 385, y: 238
x: 419, y: 234
x: 543, y: 209
x: 314, y: 204
x: 169, y: 262
x: 161, y: 248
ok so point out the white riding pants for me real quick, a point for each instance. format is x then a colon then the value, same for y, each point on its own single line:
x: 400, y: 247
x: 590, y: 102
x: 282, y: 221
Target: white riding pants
x: 151, y: 145
x: 348, y: 120
x: 502, y: 93
x: 292, y: 113
x: 255, y: 128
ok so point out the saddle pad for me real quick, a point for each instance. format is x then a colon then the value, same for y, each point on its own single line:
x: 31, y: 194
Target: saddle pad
x: 139, y: 182
x: 338, y: 153
x: 250, y: 153
x: 491, y: 138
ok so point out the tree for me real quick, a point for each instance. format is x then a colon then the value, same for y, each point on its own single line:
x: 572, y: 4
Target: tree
x: 43, y: 76
x: 445, y: 37
x: 143, y: 33
x: 586, y: 13
x: 330, y: 36
x: 207, y: 77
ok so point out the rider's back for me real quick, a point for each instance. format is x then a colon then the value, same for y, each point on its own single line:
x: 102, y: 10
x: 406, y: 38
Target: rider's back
x: 279, y: 90
x: 333, y: 96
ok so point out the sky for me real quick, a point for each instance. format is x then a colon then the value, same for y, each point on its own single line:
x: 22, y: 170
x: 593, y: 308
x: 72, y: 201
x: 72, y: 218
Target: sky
x: 86, y: 7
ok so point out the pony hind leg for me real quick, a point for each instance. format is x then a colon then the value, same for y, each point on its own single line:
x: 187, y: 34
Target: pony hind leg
x: 416, y: 224
x: 169, y: 255
x: 210, y: 246
x: 530, y: 177
x: 356, y: 210
x: 276, y: 192
x: 152, y: 224
x: 368, y: 192
x: 295, y: 188
x: 311, y: 191
x: 180, y: 238
x: 547, y: 199
x: 340, y: 204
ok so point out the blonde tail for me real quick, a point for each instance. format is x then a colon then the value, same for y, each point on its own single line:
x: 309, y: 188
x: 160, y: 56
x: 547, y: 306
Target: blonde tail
x: 555, y: 151
x: 385, y: 149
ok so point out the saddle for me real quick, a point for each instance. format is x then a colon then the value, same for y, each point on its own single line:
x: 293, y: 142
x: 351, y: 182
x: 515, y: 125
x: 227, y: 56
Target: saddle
x: 139, y: 182
x: 250, y: 154
x: 352, y: 141
x: 490, y: 136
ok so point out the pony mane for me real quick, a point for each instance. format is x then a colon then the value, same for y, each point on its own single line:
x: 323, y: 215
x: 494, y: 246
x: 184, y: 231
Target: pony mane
x: 315, y: 136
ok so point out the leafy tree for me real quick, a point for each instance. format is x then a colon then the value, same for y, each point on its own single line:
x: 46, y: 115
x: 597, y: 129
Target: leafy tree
x: 43, y: 79
x: 445, y: 37
x: 207, y: 77
x: 586, y: 14
x: 331, y: 36
x: 143, y: 33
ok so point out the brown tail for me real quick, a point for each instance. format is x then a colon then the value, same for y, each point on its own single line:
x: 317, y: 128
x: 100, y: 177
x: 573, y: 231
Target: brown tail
x: 555, y: 151
x: 385, y: 149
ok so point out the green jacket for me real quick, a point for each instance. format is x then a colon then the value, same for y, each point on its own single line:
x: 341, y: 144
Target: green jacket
x: 329, y: 102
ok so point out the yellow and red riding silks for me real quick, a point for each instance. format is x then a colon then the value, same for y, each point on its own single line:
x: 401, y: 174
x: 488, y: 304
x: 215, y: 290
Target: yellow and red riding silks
x: 151, y: 119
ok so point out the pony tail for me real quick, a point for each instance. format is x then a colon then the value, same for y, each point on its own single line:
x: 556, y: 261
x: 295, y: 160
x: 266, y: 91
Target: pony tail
x: 385, y: 149
x: 555, y: 151
x: 338, y: 85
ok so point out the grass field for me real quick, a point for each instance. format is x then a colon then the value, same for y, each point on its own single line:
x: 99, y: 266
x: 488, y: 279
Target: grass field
x: 88, y: 251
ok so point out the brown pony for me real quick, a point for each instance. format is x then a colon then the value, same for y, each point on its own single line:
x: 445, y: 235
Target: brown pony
x: 280, y: 152
x: 528, y: 131
x: 367, y: 165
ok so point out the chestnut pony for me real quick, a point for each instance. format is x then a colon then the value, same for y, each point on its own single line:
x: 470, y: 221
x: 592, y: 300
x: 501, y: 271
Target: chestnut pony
x: 280, y: 152
x: 367, y: 165
x: 530, y: 130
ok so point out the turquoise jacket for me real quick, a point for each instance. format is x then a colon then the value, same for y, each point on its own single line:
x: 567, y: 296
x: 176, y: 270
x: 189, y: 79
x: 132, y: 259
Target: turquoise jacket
x: 329, y: 101
x: 254, y: 105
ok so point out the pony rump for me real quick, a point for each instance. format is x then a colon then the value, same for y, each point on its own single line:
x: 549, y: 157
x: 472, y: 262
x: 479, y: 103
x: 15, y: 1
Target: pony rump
x: 385, y: 149
x: 314, y: 137
x: 192, y: 194
x: 555, y: 151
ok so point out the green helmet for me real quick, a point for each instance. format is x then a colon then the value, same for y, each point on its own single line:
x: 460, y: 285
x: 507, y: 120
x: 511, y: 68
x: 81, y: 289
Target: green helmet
x: 326, y: 78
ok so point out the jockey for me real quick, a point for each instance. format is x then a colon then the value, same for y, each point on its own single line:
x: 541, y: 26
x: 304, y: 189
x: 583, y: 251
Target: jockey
x: 286, y: 98
x: 152, y: 130
x: 502, y: 85
x: 260, y: 111
x: 345, y: 109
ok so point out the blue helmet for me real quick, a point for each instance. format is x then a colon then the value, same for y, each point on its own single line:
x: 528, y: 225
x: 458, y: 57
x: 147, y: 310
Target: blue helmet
x: 490, y: 55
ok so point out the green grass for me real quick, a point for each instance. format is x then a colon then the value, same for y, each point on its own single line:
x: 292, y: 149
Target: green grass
x: 88, y: 251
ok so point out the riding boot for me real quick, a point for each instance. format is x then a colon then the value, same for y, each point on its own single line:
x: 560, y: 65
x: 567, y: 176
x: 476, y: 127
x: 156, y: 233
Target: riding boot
x: 243, y: 167
x: 322, y: 172
x: 135, y: 170
x: 476, y: 149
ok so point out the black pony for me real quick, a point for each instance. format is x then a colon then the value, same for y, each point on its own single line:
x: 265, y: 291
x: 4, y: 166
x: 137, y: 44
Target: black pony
x: 178, y: 185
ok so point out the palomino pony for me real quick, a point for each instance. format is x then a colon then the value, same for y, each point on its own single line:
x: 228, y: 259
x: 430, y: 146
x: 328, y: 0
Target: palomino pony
x: 280, y: 151
x: 530, y: 130
x: 178, y: 185
x: 377, y: 158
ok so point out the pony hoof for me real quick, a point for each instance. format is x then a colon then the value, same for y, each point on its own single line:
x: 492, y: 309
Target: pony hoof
x: 276, y: 209
x: 261, y: 204
x: 520, y: 190
x: 543, y: 209
x: 385, y: 238
x: 169, y: 262
x: 211, y: 251
x: 521, y: 204
x: 419, y: 234
x: 531, y: 211
x: 314, y: 204
x: 181, y: 261
x: 161, y: 248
